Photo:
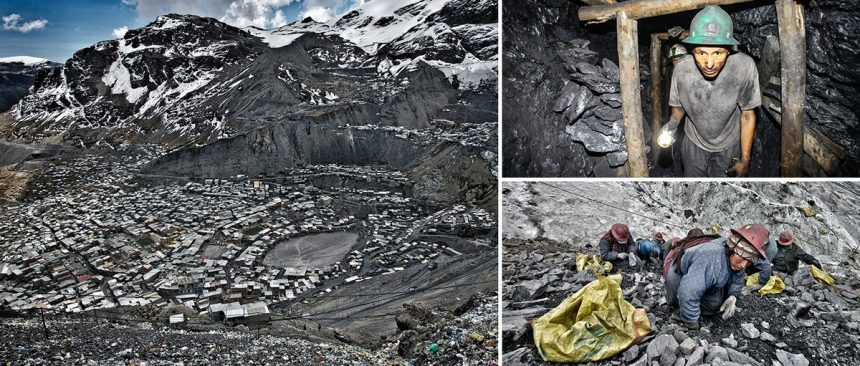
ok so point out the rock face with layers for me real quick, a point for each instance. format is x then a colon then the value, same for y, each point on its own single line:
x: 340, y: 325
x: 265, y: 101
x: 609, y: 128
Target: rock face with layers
x: 562, y: 110
x: 820, y: 215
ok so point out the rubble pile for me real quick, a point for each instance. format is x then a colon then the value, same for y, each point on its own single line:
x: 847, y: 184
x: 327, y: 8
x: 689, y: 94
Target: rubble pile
x: 85, y: 343
x: 432, y: 338
x: 784, y: 329
x: 466, y: 336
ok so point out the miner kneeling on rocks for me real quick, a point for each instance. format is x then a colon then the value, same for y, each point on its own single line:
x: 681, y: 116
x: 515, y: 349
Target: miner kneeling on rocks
x: 617, y: 247
x: 704, y: 275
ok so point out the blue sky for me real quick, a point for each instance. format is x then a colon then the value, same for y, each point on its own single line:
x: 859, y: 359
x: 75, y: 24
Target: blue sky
x: 55, y: 29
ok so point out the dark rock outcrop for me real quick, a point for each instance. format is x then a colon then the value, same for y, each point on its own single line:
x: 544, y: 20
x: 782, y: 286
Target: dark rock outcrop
x: 16, y: 78
x: 832, y: 78
x: 561, y: 107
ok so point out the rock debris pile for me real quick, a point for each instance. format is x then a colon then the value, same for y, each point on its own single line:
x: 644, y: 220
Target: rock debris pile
x: 784, y: 329
x: 465, y: 336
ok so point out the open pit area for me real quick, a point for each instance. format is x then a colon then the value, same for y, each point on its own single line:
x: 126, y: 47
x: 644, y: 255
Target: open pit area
x: 311, y: 251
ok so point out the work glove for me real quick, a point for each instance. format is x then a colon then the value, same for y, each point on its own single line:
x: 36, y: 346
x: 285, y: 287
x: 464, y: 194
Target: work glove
x: 728, y: 307
x: 632, y: 260
x: 622, y: 255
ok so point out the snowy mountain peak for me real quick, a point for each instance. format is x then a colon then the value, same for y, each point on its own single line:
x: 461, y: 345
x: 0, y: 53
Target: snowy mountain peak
x: 26, y: 60
x: 183, y: 77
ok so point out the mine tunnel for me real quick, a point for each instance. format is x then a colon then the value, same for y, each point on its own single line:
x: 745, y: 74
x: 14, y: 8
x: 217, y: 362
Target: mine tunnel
x: 572, y: 108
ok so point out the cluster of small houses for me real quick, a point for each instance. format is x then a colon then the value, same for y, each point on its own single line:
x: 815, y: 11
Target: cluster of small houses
x: 201, y: 244
x: 467, y: 134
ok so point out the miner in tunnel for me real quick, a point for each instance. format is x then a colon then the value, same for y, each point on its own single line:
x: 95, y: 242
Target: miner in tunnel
x: 716, y: 92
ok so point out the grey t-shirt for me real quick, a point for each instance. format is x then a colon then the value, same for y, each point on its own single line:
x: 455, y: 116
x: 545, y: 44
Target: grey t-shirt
x: 713, y: 107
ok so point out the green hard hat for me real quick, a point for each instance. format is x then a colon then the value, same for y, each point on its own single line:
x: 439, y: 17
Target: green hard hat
x: 712, y: 26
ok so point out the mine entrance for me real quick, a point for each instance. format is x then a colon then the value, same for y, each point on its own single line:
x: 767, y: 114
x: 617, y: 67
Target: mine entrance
x: 783, y: 143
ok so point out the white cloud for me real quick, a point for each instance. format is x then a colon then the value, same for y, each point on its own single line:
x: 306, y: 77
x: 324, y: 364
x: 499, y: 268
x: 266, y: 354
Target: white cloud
x: 120, y: 32
x: 129, y: 2
x: 13, y: 22
x: 318, y: 13
x: 323, y: 10
x: 280, y: 19
x: 239, y: 13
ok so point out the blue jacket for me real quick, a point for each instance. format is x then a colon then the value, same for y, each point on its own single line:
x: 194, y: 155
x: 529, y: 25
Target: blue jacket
x: 648, y: 248
x: 705, y: 267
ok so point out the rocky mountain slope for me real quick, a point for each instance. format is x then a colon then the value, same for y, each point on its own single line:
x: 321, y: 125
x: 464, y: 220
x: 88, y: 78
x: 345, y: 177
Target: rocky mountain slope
x: 17, y: 75
x: 469, y: 331
x: 185, y: 78
x: 548, y: 224
x: 412, y: 89
x: 821, y: 215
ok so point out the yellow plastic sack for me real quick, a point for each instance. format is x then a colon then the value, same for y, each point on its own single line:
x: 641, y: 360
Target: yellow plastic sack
x: 821, y: 276
x: 593, y: 324
x: 584, y: 261
x: 773, y: 286
x: 752, y: 280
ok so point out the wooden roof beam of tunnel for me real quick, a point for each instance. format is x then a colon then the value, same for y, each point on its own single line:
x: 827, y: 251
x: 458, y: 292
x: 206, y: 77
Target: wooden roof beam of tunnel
x: 599, y: 2
x: 638, y: 9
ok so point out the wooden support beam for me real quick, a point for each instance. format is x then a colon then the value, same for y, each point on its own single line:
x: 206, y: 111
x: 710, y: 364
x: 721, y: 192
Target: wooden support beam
x: 826, y: 153
x: 599, y: 2
x: 792, y: 48
x: 631, y: 103
x: 656, y: 93
x: 638, y: 9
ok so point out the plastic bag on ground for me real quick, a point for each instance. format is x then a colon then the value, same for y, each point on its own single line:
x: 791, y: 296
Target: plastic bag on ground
x: 584, y: 261
x: 821, y: 276
x: 752, y: 280
x: 773, y: 286
x: 593, y: 324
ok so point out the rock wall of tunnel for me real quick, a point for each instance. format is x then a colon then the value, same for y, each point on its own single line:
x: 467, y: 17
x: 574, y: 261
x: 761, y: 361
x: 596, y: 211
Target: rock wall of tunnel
x: 532, y: 210
x: 832, y: 75
x: 561, y: 109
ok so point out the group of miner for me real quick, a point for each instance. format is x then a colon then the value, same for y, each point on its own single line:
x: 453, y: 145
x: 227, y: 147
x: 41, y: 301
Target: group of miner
x: 704, y: 273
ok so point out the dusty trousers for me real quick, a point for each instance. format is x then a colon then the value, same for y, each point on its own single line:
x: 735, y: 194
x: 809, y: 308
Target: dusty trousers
x: 700, y: 163
x: 709, y: 303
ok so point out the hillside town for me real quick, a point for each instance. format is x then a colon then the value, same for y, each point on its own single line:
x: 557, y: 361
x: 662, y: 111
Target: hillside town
x: 95, y: 234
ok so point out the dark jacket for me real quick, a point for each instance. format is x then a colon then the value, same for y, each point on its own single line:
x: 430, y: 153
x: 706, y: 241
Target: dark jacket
x: 609, y: 248
x: 788, y: 257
